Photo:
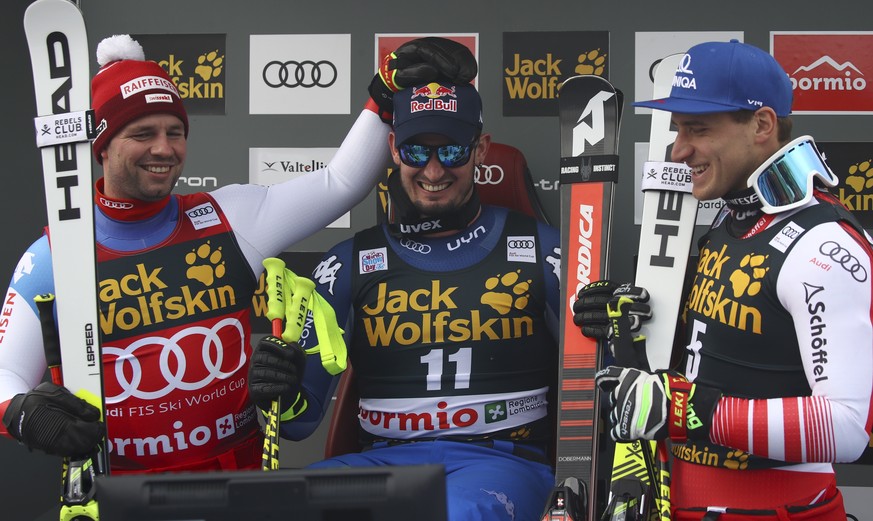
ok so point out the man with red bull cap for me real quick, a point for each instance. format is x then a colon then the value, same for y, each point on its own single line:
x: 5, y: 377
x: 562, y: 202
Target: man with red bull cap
x: 450, y: 315
x: 177, y: 274
x: 775, y: 381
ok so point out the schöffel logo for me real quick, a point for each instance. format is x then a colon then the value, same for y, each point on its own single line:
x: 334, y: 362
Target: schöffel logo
x: 828, y: 71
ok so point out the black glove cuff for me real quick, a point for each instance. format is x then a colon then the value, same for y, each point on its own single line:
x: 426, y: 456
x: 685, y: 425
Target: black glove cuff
x: 383, y: 98
x: 12, y: 418
x: 701, y: 409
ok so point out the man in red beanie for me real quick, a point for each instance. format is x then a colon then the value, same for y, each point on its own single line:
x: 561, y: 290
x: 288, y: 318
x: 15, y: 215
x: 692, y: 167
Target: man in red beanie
x: 177, y: 273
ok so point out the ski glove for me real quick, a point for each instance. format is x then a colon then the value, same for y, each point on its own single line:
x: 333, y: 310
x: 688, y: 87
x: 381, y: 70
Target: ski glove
x: 276, y: 371
x: 626, y: 311
x: 52, y: 419
x: 420, y: 61
x: 655, y: 406
x: 591, y: 312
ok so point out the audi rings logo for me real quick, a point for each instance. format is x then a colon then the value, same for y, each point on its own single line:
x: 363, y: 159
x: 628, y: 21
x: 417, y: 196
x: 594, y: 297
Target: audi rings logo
x: 522, y: 244
x: 845, y: 259
x: 115, y: 205
x: 417, y: 247
x: 200, y: 211
x: 174, y: 369
x: 488, y: 175
x: 304, y: 74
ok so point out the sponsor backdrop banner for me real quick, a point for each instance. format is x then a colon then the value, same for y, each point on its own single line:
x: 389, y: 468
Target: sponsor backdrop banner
x: 853, y: 163
x: 651, y: 47
x: 828, y: 71
x: 269, y: 166
x: 196, y: 63
x: 535, y: 64
x: 299, y: 74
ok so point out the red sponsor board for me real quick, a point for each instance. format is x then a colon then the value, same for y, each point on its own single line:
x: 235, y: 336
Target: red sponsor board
x: 829, y: 71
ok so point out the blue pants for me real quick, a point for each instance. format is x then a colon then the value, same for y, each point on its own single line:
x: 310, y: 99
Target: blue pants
x: 482, y: 483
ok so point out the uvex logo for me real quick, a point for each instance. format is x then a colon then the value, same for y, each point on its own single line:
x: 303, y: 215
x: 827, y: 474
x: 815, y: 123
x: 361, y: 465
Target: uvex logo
x: 421, y: 227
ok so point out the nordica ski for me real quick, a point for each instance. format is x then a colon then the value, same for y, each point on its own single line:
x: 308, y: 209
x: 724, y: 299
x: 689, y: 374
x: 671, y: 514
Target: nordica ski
x: 58, y: 47
x: 589, y: 112
x: 669, y: 215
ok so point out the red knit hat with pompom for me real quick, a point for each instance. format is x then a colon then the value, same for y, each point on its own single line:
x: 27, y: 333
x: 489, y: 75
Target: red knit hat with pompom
x: 128, y: 87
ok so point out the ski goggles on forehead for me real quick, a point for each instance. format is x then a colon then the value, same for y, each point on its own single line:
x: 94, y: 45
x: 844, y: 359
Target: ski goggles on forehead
x: 785, y: 181
x: 450, y: 156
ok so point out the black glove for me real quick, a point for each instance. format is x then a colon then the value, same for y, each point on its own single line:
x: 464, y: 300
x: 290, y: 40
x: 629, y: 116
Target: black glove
x: 591, y: 313
x: 52, y: 419
x: 627, y: 310
x: 276, y: 371
x: 420, y: 61
x: 655, y: 406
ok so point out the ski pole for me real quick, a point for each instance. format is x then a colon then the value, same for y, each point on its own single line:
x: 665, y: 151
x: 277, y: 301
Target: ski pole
x: 288, y: 297
x: 275, y: 278
x: 78, y: 501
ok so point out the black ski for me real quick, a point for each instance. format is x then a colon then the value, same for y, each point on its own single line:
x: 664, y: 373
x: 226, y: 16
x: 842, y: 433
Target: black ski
x: 589, y: 113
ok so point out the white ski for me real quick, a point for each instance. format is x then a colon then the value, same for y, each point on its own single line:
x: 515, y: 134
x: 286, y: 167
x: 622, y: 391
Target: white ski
x: 669, y: 214
x: 58, y: 47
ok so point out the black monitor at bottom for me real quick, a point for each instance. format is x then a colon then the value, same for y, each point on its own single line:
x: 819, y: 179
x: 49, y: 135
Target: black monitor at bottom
x: 363, y: 494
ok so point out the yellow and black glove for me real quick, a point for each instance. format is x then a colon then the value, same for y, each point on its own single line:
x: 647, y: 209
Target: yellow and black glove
x: 416, y: 62
x: 656, y: 406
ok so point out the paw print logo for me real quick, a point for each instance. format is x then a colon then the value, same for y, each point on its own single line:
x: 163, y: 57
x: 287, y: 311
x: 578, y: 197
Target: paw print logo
x: 205, y: 264
x: 737, y: 460
x: 521, y: 434
x: 747, y: 279
x: 860, y: 176
x: 591, y: 62
x: 506, y: 292
x: 209, y: 65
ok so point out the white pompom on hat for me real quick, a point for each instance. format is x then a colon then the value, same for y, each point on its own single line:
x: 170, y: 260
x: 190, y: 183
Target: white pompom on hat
x: 128, y: 87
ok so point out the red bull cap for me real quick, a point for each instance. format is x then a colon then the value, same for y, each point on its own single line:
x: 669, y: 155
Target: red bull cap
x: 452, y: 110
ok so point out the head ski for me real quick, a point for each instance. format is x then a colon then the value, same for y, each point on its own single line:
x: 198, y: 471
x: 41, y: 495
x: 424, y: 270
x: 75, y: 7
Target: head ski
x: 59, y: 53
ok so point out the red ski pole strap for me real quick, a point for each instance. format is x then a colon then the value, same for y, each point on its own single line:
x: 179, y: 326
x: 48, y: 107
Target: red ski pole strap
x: 679, y: 390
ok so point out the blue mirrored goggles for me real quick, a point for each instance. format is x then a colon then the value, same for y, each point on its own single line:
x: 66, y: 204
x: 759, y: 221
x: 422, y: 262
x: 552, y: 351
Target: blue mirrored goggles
x: 785, y: 181
x: 450, y: 156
